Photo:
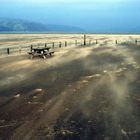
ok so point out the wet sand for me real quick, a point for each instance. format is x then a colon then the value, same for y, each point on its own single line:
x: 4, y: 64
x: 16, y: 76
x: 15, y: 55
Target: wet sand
x: 81, y: 93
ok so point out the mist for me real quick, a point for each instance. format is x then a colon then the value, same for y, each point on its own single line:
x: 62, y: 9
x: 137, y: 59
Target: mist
x: 92, y: 16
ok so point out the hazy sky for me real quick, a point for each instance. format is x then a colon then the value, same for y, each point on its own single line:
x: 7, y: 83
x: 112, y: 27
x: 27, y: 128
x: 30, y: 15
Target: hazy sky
x: 91, y: 15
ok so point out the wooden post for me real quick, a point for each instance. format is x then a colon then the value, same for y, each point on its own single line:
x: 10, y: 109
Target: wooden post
x: 8, y: 51
x: 65, y: 43
x: 116, y: 41
x: 96, y: 41
x: 53, y: 45
x: 136, y: 41
x: 84, y: 40
x: 31, y: 48
x: 19, y: 49
x: 76, y: 42
x: 45, y: 45
x: 89, y: 42
x: 60, y: 44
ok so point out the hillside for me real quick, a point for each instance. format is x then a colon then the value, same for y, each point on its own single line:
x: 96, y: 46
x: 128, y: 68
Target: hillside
x: 16, y: 25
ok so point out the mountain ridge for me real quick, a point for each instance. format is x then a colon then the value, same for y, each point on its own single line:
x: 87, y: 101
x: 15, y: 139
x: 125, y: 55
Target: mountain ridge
x: 19, y: 25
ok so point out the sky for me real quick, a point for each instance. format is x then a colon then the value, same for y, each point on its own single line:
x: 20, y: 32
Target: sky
x: 90, y: 15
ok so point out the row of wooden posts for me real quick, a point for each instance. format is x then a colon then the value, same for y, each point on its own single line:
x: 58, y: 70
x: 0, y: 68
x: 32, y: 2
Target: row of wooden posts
x: 53, y: 46
x: 96, y: 41
x: 85, y: 43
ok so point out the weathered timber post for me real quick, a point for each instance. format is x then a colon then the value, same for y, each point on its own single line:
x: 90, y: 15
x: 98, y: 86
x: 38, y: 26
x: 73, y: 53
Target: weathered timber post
x: 60, y: 44
x: 53, y: 45
x: 96, y: 41
x: 65, y: 43
x: 31, y: 48
x: 76, y: 43
x: 136, y: 41
x: 116, y: 41
x: 45, y: 45
x: 89, y: 42
x: 84, y: 40
x: 19, y: 49
x: 8, y: 51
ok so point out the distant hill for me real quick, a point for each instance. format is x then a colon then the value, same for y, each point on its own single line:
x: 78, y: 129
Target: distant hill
x: 16, y: 25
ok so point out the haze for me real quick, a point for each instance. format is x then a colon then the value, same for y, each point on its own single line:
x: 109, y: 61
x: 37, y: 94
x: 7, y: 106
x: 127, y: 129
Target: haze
x: 90, y: 15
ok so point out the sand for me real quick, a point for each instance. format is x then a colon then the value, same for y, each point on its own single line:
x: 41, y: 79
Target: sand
x: 80, y: 93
